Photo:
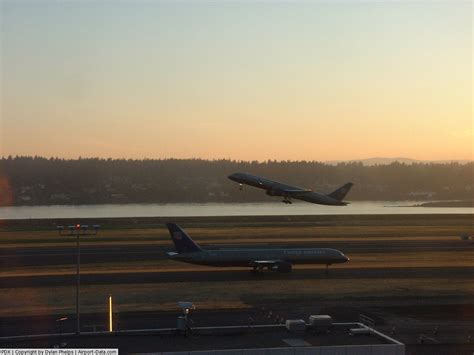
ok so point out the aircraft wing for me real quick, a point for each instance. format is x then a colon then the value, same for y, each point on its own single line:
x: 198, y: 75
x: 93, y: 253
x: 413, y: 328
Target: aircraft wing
x: 295, y: 192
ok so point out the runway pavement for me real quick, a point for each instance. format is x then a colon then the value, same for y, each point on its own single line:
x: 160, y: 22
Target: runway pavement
x: 44, y: 256
x: 10, y: 257
x: 222, y: 275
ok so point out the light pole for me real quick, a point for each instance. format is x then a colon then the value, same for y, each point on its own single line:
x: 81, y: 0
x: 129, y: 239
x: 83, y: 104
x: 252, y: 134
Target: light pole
x: 76, y: 229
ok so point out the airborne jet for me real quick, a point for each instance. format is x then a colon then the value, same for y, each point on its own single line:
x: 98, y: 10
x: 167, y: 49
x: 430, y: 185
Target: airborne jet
x: 280, y: 260
x: 288, y: 192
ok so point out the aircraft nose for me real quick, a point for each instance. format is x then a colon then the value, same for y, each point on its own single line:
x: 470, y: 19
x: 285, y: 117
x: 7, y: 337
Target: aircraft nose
x: 233, y: 177
x: 343, y: 258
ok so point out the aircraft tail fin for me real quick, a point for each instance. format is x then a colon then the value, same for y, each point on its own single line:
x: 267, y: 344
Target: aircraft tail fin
x: 341, y: 192
x: 182, y: 241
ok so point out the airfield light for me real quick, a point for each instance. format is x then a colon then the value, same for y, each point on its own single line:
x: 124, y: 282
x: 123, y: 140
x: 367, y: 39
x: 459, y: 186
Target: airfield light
x: 78, y: 282
x: 186, y: 307
x: 110, y: 314
x: 78, y: 226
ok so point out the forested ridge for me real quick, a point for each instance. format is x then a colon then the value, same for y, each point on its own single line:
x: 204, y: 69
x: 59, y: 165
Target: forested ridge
x: 44, y: 181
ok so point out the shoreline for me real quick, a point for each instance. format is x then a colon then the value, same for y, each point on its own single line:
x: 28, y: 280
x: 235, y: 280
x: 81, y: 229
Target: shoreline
x: 469, y: 202
x: 447, y: 204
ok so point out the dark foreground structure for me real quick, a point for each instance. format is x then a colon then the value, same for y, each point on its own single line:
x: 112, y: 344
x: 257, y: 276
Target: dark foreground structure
x: 295, y: 337
x: 340, y: 338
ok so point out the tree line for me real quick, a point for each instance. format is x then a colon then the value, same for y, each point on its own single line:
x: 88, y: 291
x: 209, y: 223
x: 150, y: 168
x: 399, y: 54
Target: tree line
x: 47, y: 181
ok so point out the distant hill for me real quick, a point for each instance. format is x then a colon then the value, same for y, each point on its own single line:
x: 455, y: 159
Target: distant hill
x: 42, y: 181
x: 388, y: 161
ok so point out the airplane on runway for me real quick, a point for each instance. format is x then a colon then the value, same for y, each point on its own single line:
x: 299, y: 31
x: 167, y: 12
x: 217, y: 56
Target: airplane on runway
x: 281, y: 260
x: 288, y: 192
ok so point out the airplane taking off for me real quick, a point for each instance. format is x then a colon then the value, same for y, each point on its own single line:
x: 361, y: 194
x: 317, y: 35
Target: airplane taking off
x: 288, y: 192
x: 281, y: 260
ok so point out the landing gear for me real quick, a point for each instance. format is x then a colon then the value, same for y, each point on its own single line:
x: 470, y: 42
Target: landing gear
x: 287, y: 200
x: 241, y: 187
x: 327, y: 270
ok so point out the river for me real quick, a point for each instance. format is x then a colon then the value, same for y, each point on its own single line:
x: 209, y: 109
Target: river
x: 222, y: 209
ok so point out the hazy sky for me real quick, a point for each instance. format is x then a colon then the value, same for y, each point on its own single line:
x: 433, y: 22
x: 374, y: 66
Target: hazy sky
x: 243, y: 80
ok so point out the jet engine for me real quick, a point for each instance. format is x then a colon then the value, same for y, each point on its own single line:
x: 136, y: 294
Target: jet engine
x: 273, y: 193
x: 283, y: 266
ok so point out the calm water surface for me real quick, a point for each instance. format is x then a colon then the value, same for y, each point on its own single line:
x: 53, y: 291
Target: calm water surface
x: 222, y: 209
